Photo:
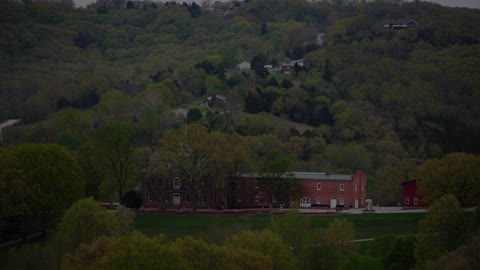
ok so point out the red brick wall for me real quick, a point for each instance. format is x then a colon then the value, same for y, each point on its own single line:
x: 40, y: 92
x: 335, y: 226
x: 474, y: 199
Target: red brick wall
x: 158, y: 191
x: 353, y: 190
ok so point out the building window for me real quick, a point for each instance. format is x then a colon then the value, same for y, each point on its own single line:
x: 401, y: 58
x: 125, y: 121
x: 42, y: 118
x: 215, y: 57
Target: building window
x: 415, y: 201
x: 176, y: 183
x: 341, y: 201
x: 305, y: 202
x: 187, y: 198
x: 319, y: 201
x: 319, y: 186
x: 149, y: 196
x: 406, y: 200
x: 203, y: 198
x: 342, y: 187
x: 167, y: 197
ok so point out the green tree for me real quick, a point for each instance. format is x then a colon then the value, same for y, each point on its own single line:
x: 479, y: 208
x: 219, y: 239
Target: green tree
x: 55, y: 178
x: 395, y: 253
x: 201, y: 255
x: 13, y: 186
x: 90, y: 256
x: 85, y: 221
x: 132, y: 199
x: 331, y: 247
x: 194, y: 115
x: 126, y: 219
x: 114, y: 104
x: 387, y: 183
x: 266, y: 243
x: 444, y: 228
x: 134, y: 251
x: 277, y: 170
x: 90, y: 160
x: 455, y: 173
x: 158, y: 96
x: 258, y: 62
x: 72, y: 127
x: 115, y: 142
x: 234, y: 163
x: 361, y: 262
x: 464, y: 257
x: 293, y: 228
x: 350, y: 156
x: 190, y: 153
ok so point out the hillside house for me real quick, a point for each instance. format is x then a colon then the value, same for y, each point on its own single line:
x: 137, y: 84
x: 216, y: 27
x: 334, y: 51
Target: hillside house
x: 410, y: 195
x: 217, y: 102
x: 320, y: 38
x: 287, y: 68
x: 243, y: 65
x: 318, y: 190
x: 395, y: 24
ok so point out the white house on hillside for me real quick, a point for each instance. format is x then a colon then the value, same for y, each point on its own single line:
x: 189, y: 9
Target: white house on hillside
x: 244, y: 65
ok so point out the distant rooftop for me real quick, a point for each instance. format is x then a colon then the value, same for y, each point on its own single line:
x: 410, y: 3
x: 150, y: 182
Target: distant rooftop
x: 312, y: 176
x: 321, y: 176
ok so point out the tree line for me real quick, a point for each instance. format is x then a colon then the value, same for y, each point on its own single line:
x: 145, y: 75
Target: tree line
x: 91, y: 237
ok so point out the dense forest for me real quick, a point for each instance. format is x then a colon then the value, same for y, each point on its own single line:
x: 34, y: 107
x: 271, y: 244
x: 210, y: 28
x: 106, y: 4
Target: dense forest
x: 366, y: 97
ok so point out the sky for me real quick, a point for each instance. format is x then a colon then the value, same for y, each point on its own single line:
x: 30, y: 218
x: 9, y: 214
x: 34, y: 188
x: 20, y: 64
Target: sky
x: 450, y: 3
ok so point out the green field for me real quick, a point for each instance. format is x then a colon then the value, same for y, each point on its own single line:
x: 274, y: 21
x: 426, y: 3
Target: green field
x: 217, y: 227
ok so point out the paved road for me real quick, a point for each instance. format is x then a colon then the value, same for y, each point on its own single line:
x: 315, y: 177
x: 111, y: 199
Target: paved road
x: 9, y: 122
x: 378, y: 210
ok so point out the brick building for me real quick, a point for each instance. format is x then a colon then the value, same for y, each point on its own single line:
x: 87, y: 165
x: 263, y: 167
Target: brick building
x: 322, y: 189
x: 317, y: 190
x: 410, y: 195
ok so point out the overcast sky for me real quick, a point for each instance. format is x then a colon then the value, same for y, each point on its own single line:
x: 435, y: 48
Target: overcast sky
x: 450, y: 3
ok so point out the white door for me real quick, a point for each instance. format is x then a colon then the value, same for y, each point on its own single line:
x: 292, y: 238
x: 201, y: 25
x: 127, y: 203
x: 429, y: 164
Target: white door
x: 305, y: 202
x: 356, y: 203
x: 176, y: 199
x: 333, y: 203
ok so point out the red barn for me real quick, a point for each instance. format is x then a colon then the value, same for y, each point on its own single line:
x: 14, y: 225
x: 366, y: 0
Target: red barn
x: 318, y: 189
x: 410, y: 196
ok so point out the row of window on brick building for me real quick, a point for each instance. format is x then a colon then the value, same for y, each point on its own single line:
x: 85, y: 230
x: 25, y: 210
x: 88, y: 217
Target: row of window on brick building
x: 202, y: 198
x: 176, y: 184
x: 406, y: 200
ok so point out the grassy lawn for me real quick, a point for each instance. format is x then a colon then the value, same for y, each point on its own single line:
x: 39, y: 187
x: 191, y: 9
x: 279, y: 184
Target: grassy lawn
x: 373, y: 225
x: 217, y: 227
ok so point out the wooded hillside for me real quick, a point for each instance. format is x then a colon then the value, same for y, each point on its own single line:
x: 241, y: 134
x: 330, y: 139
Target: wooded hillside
x: 370, y: 98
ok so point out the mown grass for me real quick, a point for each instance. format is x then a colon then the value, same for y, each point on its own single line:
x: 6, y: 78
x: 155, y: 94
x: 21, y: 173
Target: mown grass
x: 374, y: 225
x: 217, y: 227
